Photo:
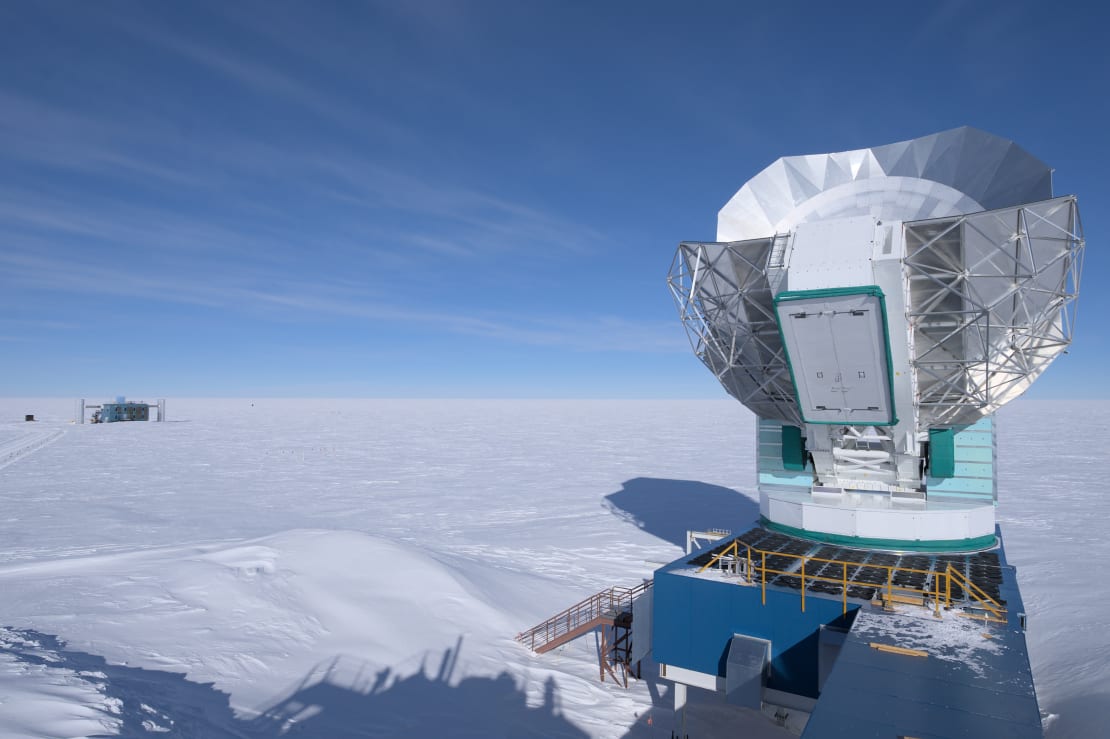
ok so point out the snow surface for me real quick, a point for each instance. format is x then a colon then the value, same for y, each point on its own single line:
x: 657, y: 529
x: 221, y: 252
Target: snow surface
x: 358, y: 568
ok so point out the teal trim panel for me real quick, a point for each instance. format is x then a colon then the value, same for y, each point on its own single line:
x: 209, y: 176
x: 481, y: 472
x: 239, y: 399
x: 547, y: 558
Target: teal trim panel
x: 975, y: 454
x: 963, y: 485
x: 828, y: 292
x: 771, y: 462
x: 942, y: 452
x: 793, y: 448
x: 974, y: 469
x: 916, y: 545
x: 770, y: 478
x: 971, y: 474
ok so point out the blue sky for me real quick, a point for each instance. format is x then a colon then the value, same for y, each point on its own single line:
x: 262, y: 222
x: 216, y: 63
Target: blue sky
x: 475, y: 199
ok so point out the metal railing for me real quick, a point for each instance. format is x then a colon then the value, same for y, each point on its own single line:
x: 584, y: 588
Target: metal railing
x: 582, y: 616
x: 753, y: 563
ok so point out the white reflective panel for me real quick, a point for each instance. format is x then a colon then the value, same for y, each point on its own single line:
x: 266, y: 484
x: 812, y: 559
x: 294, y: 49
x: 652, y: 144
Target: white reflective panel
x: 948, y: 173
x: 834, y: 253
x: 837, y: 348
x: 725, y: 301
x: 992, y: 299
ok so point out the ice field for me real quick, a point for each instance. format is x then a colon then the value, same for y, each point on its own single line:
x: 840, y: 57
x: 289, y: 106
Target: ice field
x: 258, y: 567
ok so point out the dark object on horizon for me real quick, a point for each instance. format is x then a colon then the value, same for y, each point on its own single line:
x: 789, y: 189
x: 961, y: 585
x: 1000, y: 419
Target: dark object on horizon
x: 29, y: 417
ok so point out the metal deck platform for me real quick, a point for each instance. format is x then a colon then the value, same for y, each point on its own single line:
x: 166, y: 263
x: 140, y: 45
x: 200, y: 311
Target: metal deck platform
x: 912, y: 570
x: 974, y: 680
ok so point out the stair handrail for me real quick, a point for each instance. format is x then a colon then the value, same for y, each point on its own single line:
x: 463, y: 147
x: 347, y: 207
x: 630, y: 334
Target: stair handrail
x: 588, y: 609
x: 985, y: 601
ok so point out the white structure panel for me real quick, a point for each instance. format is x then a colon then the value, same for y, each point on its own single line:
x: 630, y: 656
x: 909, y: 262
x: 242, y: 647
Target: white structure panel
x: 840, y: 521
x: 981, y: 518
x: 786, y: 510
x: 872, y: 516
x: 692, y: 678
x: 833, y: 253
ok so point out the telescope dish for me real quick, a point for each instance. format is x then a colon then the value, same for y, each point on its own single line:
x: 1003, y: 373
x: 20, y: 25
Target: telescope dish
x: 874, y: 308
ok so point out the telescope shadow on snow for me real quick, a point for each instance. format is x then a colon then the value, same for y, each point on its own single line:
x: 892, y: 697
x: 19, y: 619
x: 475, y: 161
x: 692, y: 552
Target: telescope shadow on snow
x: 348, y: 700
x: 668, y: 509
x: 342, y: 698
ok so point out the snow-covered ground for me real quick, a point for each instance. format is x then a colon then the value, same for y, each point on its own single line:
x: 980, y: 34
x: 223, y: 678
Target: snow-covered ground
x: 358, y: 568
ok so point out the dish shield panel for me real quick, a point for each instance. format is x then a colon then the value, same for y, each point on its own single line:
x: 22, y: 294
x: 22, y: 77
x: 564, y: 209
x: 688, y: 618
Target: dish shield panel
x: 725, y: 298
x: 837, y: 347
x: 991, y: 304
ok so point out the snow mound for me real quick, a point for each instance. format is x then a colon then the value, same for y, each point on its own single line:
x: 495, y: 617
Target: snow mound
x: 248, y: 616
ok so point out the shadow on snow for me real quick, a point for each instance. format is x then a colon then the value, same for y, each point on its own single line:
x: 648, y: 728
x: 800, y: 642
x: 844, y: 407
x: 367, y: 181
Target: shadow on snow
x: 148, y: 701
x: 348, y: 702
x: 343, y: 699
x: 667, y: 509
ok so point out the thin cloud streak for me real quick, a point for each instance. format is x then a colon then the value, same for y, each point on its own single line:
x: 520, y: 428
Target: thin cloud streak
x: 82, y: 143
x: 608, y: 334
x: 261, y: 80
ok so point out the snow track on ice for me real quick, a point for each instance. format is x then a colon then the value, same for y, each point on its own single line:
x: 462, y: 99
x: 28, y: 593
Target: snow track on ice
x: 16, y: 449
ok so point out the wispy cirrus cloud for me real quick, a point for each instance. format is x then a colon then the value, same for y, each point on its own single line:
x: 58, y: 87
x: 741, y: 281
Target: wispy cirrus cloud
x: 311, y: 300
x: 133, y: 202
x: 456, y: 220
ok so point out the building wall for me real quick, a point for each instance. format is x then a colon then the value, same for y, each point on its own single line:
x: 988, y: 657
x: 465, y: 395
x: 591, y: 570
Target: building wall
x: 112, y: 412
x: 695, y: 618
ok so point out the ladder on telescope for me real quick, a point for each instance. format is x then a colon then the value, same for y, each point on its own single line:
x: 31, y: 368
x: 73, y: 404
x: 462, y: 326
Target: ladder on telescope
x: 776, y: 260
x: 778, y: 250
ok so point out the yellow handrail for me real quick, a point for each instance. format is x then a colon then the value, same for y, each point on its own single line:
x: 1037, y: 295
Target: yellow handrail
x: 988, y: 603
x: 938, y: 593
x: 733, y: 547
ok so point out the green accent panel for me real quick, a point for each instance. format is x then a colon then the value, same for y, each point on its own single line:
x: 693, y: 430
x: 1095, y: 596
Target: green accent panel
x: 916, y: 545
x: 962, y: 485
x: 983, y: 454
x: 793, y: 448
x: 942, y: 452
x: 831, y: 292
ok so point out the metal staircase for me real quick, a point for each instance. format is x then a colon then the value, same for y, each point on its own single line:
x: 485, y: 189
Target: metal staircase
x: 609, y: 611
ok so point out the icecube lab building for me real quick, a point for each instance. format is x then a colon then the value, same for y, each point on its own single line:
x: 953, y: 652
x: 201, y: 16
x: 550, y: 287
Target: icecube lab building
x: 873, y: 308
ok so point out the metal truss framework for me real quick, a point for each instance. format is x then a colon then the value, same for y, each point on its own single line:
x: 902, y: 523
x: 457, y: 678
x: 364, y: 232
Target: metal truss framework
x: 991, y: 302
x: 992, y: 299
x: 725, y: 301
